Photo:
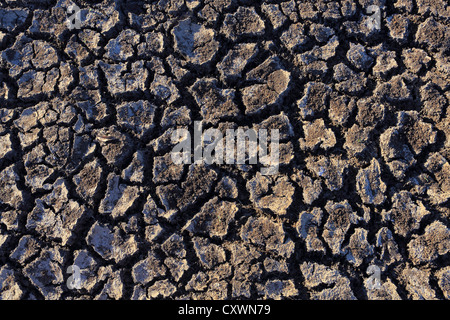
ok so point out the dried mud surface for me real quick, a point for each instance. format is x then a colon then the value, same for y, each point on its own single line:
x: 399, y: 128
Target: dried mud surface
x: 86, y: 177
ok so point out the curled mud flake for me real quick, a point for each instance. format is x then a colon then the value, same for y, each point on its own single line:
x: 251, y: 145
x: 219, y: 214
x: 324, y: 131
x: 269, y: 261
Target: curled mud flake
x: 104, y: 138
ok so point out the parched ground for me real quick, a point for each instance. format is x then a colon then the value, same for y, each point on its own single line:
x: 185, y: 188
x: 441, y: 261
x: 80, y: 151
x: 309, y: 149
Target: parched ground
x: 86, y: 177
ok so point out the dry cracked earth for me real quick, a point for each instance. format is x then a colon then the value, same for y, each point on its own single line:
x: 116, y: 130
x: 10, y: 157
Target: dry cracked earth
x: 86, y: 177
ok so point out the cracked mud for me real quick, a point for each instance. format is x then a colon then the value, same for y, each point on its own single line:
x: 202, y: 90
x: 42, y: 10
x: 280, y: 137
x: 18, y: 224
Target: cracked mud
x: 87, y: 180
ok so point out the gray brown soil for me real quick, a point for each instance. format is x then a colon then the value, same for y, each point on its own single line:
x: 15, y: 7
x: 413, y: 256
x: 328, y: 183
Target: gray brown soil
x: 86, y: 177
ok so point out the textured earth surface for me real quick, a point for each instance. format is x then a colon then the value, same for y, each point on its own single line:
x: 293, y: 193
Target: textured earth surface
x: 86, y: 177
